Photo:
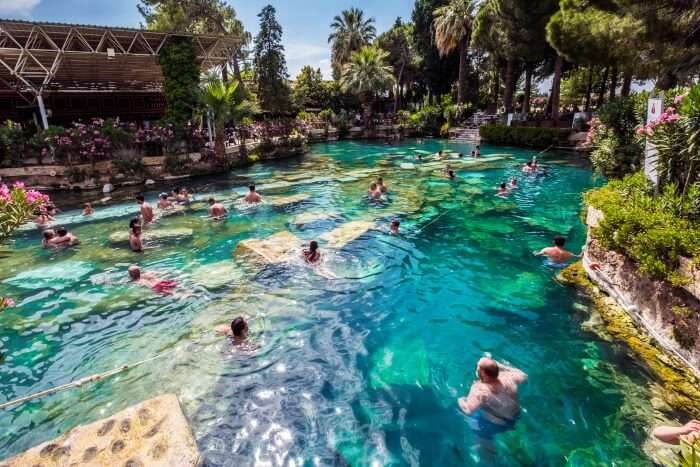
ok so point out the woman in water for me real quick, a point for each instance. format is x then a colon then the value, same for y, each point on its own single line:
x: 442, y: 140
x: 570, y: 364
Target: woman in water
x: 312, y: 255
x: 374, y: 192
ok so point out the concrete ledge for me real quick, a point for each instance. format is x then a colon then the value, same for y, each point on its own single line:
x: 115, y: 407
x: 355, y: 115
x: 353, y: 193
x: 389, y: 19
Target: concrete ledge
x: 154, y: 433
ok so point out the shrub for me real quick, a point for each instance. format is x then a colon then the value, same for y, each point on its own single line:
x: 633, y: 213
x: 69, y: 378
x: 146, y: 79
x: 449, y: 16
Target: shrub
x: 655, y: 231
x: 130, y: 165
x: 12, y: 144
x: 174, y: 164
x: 617, y: 149
x: 17, y: 206
x: 539, y: 138
x: 428, y: 120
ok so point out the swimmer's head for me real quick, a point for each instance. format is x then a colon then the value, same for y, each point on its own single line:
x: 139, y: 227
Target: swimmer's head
x: 440, y: 152
x: 176, y: 190
x: 313, y: 246
x: 528, y: 163
x: 451, y: 173
x: 164, y: 195
x: 140, y: 199
x: 251, y: 187
x: 559, y: 241
x: 487, y: 369
x: 61, y: 232
x: 503, y: 186
x: 239, y: 327
x: 49, y: 234
x: 135, y: 222
x: 473, y: 152
x: 88, y: 206
x: 380, y: 180
x: 134, y: 272
x: 212, y: 201
x: 460, y: 155
x: 395, y: 223
x: 373, y: 186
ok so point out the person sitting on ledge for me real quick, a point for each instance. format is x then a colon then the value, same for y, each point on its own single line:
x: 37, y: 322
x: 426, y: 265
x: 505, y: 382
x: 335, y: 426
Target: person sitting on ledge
x: 146, y: 209
x: 312, y: 255
x: 217, y: 211
x: 690, y: 432
x: 252, y: 196
x: 556, y: 254
x: 164, y: 202
x: 238, y: 330
x: 88, y: 210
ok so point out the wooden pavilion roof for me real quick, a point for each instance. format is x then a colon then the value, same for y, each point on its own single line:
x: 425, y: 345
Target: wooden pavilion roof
x: 39, y: 57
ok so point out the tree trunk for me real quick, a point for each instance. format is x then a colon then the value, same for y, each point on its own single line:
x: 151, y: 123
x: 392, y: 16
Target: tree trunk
x: 242, y: 148
x: 613, y: 83
x: 462, y: 80
x: 626, y: 83
x: 397, y: 94
x: 496, y: 87
x: 224, y: 73
x: 508, y: 94
x: 237, y: 70
x: 589, y: 90
x: 528, y: 89
x: 603, y: 87
x: 219, y: 145
x: 367, y: 111
x: 556, y: 88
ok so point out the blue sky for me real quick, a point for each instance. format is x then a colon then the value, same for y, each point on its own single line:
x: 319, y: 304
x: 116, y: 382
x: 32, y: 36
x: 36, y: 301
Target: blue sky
x: 305, y: 22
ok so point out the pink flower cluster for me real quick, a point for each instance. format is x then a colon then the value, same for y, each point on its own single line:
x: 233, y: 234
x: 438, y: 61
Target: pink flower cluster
x: 32, y: 197
x: 596, y: 126
x: 7, y: 302
x: 669, y: 116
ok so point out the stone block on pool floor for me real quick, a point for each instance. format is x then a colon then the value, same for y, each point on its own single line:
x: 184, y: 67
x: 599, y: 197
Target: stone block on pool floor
x: 312, y: 216
x: 217, y: 274
x: 346, y: 233
x: 154, y: 433
x: 287, y: 200
x: 150, y: 235
x: 274, y: 249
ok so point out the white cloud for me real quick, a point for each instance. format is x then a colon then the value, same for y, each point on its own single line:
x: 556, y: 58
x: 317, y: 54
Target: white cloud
x: 298, y: 51
x: 17, y: 7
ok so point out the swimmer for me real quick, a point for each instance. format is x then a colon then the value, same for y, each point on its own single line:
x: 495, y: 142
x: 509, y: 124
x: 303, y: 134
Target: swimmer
x: 373, y: 192
x: 513, y: 183
x: 88, y: 210
x: 63, y: 238
x: 52, y: 210
x: 528, y: 168
x: 451, y: 174
x: 146, y: 209
x: 238, y: 330
x: 381, y: 186
x: 42, y: 218
x: 312, y: 255
x: 48, y: 235
x: 394, y: 229
x: 419, y: 157
x: 174, y: 194
x: 460, y: 155
x: 151, y: 280
x: 477, y: 152
x: 690, y: 433
x: 556, y: 254
x: 184, y: 197
x: 473, y: 153
x: 217, y: 211
x: 252, y: 196
x: 164, y: 202
x: 440, y: 156
x: 135, y: 242
x: 502, y: 190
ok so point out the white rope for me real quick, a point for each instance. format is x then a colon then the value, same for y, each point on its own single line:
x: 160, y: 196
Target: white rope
x: 434, y: 220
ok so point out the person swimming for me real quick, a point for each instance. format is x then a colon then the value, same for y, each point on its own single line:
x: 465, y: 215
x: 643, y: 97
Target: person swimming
x: 528, y: 168
x: 374, y: 192
x: 217, y: 211
x: 502, y: 190
x: 164, y: 202
x: 47, y: 235
x: 473, y: 153
x: 312, y: 255
x: 88, y: 210
x: 690, y: 433
x: 394, y: 229
x: 151, y: 280
x: 451, y: 174
x: 556, y: 255
x: 252, y: 196
x: 63, y: 238
x: 381, y: 186
x: 146, y: 209
x: 477, y: 151
x: 237, y: 330
x: 135, y: 242
x: 513, y: 183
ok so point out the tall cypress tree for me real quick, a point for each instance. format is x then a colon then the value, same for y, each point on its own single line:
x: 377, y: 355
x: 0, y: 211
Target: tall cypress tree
x: 270, y: 64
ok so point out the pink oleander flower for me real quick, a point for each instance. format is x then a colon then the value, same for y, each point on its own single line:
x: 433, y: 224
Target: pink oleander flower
x: 4, y: 192
x: 19, y: 185
x: 8, y: 302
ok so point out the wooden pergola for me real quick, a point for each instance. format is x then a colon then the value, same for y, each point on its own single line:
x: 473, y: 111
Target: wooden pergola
x: 49, y: 59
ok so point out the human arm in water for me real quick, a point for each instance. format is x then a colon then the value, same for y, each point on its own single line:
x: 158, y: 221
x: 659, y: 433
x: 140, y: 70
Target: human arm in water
x: 513, y: 374
x: 472, y: 402
x: 673, y: 434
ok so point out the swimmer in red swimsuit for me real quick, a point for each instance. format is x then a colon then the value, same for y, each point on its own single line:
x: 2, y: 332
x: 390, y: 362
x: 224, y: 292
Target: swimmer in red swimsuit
x: 151, y: 280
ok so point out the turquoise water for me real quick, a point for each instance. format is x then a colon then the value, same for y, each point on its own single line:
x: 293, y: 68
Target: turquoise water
x: 362, y: 367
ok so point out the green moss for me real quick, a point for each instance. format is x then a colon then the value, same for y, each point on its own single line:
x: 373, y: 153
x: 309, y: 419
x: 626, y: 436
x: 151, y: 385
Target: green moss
x: 681, y: 384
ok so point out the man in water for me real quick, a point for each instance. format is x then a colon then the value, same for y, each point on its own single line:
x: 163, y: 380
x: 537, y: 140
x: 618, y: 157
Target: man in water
x: 238, y: 330
x: 48, y: 235
x: 513, y: 183
x: 374, y: 192
x: 135, y: 242
x: 151, y: 280
x: 492, y: 401
x: 528, y: 168
x: 502, y: 190
x: 63, y: 238
x: 252, y: 196
x: 164, y: 202
x: 217, y: 211
x: 88, y: 210
x: 312, y: 255
x: 451, y: 174
x: 394, y: 229
x: 146, y: 209
x: 477, y: 151
x: 556, y: 254
x: 381, y: 186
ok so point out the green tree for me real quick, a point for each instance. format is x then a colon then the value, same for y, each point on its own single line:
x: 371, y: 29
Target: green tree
x: 351, y: 32
x: 398, y: 43
x: 180, y: 66
x: 309, y: 90
x: 366, y: 75
x: 226, y: 102
x: 270, y: 65
x: 452, y: 24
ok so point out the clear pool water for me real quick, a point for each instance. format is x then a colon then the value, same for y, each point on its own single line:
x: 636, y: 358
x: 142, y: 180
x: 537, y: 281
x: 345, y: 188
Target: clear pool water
x: 364, y: 369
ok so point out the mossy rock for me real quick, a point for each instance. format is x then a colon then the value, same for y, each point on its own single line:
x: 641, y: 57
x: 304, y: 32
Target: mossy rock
x: 152, y: 235
x: 681, y: 384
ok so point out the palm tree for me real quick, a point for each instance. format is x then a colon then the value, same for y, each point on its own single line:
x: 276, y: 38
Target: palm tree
x: 367, y: 74
x: 351, y: 32
x: 226, y: 102
x: 453, y: 24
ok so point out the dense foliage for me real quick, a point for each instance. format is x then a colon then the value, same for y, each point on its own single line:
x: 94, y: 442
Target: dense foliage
x: 350, y: 31
x: 366, y: 75
x: 538, y: 138
x: 17, y: 206
x: 653, y: 230
x: 180, y: 66
x: 270, y: 65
